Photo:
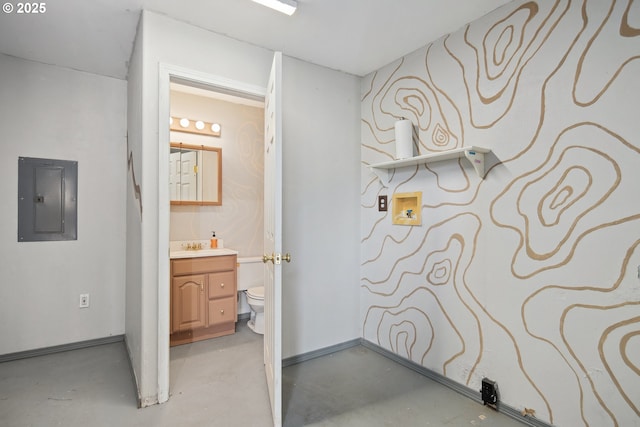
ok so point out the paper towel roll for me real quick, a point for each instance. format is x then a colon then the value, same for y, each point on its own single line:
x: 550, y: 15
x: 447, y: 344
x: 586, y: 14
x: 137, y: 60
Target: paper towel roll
x: 404, y: 139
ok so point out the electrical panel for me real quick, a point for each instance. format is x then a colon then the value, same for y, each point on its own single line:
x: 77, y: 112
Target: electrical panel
x: 47, y: 199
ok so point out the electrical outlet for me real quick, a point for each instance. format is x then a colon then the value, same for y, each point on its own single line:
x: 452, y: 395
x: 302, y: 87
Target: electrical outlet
x: 382, y: 203
x: 84, y: 301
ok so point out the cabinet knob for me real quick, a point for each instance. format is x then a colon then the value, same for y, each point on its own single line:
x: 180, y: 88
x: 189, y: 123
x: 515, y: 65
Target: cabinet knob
x: 222, y: 285
x: 221, y: 311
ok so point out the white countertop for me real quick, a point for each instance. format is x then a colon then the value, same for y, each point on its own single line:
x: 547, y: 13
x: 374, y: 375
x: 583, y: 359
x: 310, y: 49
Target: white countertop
x: 201, y: 253
x: 177, y: 250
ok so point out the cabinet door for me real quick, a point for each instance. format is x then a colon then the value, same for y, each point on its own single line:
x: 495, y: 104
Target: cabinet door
x: 188, y: 303
x: 222, y: 284
x: 222, y: 310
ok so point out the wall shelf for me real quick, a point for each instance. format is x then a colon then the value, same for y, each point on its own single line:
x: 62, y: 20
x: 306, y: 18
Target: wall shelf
x: 474, y: 154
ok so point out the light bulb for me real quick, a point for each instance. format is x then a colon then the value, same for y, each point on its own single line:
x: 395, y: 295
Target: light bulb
x: 215, y: 127
x: 199, y: 125
x: 184, y: 123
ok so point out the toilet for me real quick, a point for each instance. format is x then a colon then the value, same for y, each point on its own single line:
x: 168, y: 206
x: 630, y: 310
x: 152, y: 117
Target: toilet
x: 255, y: 298
x: 251, y: 292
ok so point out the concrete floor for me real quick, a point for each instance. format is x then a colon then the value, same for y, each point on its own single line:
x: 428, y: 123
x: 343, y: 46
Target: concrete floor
x: 358, y: 387
x: 220, y: 382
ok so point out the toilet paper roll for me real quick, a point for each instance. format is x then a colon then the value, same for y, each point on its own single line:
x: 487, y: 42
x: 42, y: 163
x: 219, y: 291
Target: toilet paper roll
x: 404, y: 139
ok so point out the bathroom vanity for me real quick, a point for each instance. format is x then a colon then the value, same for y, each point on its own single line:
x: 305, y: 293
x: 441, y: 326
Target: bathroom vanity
x: 203, y: 295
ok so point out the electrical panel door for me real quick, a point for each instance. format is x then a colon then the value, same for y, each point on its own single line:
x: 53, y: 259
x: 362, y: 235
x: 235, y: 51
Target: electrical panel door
x: 47, y: 199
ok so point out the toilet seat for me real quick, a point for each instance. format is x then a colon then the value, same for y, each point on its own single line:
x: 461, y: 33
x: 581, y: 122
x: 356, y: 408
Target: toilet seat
x: 256, y: 292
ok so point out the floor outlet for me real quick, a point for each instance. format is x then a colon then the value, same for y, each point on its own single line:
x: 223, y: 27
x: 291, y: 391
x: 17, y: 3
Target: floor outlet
x: 489, y: 392
x: 84, y: 301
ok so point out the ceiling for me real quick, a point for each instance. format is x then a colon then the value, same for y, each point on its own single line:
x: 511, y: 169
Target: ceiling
x: 355, y: 36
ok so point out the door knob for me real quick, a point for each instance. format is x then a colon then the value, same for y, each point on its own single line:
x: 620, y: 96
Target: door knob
x: 276, y: 258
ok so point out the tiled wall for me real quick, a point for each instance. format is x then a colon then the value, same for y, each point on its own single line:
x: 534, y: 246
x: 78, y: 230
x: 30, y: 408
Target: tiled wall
x: 530, y: 276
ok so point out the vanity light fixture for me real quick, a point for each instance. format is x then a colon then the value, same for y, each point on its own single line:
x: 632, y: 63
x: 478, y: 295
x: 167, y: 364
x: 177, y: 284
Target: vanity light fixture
x: 288, y: 7
x: 199, y: 127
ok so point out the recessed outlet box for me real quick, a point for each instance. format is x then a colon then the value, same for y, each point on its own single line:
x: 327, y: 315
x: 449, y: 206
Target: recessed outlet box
x: 84, y: 301
x: 407, y: 208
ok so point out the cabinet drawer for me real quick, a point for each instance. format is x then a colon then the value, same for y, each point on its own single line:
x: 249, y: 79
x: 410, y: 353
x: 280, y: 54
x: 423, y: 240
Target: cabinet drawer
x: 203, y: 265
x: 222, y: 284
x: 222, y: 310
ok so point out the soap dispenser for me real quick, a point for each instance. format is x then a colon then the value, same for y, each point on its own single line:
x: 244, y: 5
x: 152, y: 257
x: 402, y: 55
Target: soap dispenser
x: 214, y: 240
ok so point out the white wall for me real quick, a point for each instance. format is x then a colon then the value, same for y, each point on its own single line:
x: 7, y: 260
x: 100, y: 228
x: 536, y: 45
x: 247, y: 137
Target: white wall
x: 57, y: 113
x: 134, y: 299
x: 315, y: 106
x: 321, y: 224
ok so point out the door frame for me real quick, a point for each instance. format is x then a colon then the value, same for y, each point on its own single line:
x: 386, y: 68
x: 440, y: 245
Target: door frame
x: 168, y: 72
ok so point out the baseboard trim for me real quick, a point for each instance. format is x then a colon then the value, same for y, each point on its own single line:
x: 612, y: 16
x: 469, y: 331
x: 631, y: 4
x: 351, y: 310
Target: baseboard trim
x: 293, y: 360
x: 455, y: 386
x: 60, y: 348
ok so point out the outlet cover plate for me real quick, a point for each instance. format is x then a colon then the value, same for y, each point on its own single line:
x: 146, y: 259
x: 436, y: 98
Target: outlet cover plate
x: 382, y: 203
x: 84, y: 301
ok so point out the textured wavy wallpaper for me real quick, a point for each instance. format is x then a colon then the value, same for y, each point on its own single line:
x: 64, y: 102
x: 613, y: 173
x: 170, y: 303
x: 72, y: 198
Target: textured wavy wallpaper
x: 530, y: 276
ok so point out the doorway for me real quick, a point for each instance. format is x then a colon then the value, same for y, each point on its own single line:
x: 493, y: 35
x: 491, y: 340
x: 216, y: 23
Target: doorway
x: 197, y: 82
x: 237, y: 217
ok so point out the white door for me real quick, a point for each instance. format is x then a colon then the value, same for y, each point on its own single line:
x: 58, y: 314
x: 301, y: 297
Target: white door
x: 273, y: 238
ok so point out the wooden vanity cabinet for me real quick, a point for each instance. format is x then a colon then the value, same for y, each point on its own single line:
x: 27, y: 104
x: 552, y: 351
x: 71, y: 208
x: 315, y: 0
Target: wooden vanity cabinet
x: 203, y: 298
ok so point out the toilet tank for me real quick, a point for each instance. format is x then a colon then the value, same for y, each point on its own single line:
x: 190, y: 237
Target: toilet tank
x: 250, y: 275
x: 250, y: 272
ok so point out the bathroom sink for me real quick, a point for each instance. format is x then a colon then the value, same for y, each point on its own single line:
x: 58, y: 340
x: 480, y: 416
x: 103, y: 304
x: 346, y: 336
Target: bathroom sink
x: 201, y: 253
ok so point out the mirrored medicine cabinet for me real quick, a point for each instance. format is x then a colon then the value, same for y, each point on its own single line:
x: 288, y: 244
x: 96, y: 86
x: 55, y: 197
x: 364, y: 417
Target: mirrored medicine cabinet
x: 195, y: 175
